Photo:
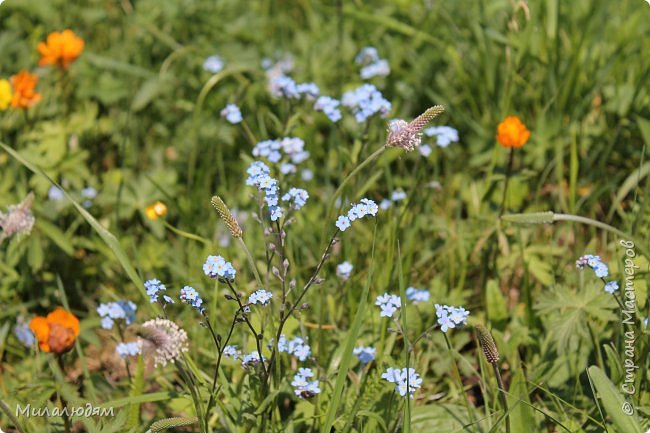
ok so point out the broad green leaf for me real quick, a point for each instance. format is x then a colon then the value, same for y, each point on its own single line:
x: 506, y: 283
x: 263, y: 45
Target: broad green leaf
x: 613, y: 402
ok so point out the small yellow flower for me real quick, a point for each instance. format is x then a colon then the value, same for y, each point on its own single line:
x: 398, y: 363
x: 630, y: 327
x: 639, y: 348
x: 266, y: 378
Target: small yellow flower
x: 156, y: 210
x: 5, y: 94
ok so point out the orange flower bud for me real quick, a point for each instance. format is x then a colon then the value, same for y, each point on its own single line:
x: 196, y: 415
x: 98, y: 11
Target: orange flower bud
x: 512, y: 132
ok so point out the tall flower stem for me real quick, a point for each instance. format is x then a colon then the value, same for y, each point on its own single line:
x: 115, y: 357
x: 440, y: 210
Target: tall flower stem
x: 256, y: 335
x: 502, y: 395
x: 216, y: 368
x: 64, y: 403
x: 284, y: 315
x: 511, y: 159
x: 551, y: 217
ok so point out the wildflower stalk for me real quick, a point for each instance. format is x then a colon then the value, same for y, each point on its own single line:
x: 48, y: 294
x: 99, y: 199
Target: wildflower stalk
x: 11, y: 416
x: 551, y: 217
x: 235, y: 230
x: 491, y: 353
x: 256, y: 335
x: 218, y: 364
x: 64, y: 403
x: 511, y: 159
x: 284, y: 315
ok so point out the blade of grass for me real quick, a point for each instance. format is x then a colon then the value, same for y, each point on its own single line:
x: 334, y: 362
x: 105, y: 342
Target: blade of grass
x: 350, y: 340
x: 406, y: 425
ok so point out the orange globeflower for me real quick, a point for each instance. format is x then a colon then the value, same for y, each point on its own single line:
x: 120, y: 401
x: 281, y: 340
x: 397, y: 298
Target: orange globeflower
x: 61, y: 49
x: 156, y: 210
x: 512, y: 132
x: 24, y: 85
x: 57, y: 332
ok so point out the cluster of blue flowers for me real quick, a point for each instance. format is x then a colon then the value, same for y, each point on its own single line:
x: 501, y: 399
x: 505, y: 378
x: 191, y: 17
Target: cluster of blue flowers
x: 231, y: 351
x: 451, y: 317
x: 252, y: 359
x: 343, y: 270
x: 120, y: 310
x: 291, y: 148
x: 600, y: 269
x: 365, y: 207
x: 213, y: 64
x: 261, y: 297
x: 372, y: 65
x: 407, y: 381
x: 364, y: 354
x: 366, y: 101
x: 417, y: 295
x: 297, y: 197
x: 154, y: 289
x: 445, y: 135
x: 297, y: 347
x: 232, y: 114
x: 190, y: 296
x: 259, y: 175
x: 217, y: 267
x: 303, y: 387
x: 388, y: 304
x: 329, y: 106
x: 283, y: 86
x: 125, y: 350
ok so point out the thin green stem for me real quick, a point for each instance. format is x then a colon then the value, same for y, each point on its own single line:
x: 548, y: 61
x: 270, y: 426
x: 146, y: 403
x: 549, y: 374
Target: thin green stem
x: 601, y: 225
x: 64, y: 403
x: 502, y: 395
x: 251, y: 261
x: 511, y: 158
x: 216, y: 368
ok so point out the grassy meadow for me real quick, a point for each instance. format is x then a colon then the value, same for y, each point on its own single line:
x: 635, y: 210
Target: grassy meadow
x: 211, y: 219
